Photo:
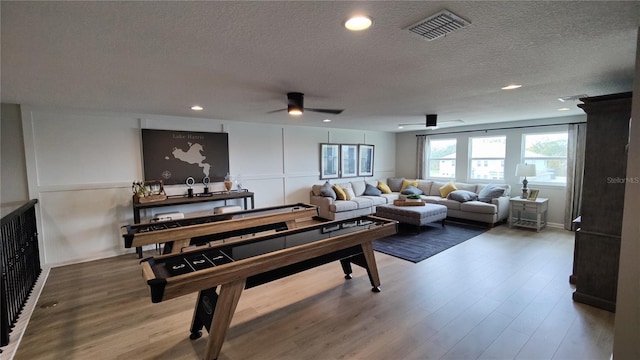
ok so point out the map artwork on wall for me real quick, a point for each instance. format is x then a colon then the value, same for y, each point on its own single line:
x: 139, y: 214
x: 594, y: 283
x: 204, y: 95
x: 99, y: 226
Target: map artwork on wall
x: 173, y: 156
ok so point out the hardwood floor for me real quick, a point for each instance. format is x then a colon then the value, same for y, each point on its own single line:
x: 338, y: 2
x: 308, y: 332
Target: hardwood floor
x: 502, y: 295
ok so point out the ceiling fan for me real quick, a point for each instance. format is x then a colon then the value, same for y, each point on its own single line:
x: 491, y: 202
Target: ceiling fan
x: 295, y: 106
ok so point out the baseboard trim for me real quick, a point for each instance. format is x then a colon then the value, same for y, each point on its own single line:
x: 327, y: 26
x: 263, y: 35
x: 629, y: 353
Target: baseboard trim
x: 594, y: 301
x: 15, y: 337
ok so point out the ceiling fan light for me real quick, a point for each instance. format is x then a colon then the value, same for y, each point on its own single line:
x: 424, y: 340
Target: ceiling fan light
x: 294, y: 110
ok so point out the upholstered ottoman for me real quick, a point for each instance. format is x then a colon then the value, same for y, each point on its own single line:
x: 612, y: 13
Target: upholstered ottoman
x: 414, y: 215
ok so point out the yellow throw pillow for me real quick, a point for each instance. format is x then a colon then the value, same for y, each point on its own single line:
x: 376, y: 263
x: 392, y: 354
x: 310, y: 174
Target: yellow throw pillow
x: 384, y: 187
x: 339, y: 192
x: 447, y: 188
x: 406, y: 183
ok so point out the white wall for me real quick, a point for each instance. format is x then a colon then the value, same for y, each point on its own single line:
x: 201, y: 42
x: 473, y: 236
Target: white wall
x: 13, y: 176
x: 80, y: 165
x: 406, y: 156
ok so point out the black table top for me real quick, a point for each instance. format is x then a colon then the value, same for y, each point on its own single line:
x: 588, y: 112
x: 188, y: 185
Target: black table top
x: 201, y: 259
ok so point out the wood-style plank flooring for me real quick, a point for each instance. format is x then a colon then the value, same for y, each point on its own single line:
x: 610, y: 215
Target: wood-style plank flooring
x: 502, y: 295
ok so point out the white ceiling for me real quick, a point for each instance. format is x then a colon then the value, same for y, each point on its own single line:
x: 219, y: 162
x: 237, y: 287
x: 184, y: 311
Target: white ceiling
x: 239, y: 59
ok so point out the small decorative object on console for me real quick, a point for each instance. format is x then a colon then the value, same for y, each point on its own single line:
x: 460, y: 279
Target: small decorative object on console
x: 205, y: 192
x: 148, y: 191
x: 228, y: 183
x: 239, y: 182
x: 190, y: 182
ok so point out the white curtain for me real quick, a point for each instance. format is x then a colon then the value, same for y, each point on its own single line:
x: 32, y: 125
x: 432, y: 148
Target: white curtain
x: 421, y: 158
x: 575, y: 172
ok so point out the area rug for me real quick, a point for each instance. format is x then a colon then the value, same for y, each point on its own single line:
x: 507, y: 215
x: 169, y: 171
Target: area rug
x: 409, y: 245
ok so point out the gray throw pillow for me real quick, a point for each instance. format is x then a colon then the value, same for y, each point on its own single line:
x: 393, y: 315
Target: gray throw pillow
x: 371, y: 190
x: 395, y: 184
x: 490, y: 192
x: 463, y: 195
x: 411, y: 190
x: 327, y: 190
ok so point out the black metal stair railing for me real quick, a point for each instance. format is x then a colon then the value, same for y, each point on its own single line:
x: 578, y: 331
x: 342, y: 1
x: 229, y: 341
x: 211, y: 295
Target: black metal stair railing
x: 19, y: 264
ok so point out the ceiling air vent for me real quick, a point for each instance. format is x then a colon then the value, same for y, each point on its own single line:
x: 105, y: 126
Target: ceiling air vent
x: 438, y: 25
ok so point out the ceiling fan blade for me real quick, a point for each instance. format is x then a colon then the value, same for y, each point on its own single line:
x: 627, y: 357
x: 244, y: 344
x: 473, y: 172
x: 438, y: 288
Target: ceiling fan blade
x: 275, y: 111
x: 326, y: 111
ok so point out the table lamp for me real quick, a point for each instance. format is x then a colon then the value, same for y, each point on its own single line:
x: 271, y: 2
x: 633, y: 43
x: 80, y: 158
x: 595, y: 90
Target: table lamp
x: 525, y: 170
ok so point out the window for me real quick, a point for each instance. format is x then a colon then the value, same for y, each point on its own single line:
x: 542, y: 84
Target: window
x: 487, y: 157
x: 548, y: 151
x: 441, y: 162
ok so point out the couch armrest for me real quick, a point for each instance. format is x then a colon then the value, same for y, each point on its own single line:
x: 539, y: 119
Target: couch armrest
x: 503, y: 206
x: 324, y: 206
x: 321, y: 201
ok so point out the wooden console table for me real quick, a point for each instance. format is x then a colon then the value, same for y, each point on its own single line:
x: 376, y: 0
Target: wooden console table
x: 184, y: 200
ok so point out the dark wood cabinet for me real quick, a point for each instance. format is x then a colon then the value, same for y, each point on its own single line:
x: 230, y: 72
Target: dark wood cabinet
x: 597, y: 242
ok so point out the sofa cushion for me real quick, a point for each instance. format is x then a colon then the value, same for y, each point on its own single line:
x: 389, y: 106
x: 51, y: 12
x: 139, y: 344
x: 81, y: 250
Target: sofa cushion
x: 411, y: 190
x: 395, y: 184
x: 371, y: 190
x: 435, y: 188
x: 425, y: 186
x: 358, y: 187
x: 376, y: 200
x: 363, y: 202
x: 447, y: 188
x: 466, y: 186
x: 489, y: 192
x: 349, y: 193
x: 479, y: 207
x: 340, y: 194
x: 384, y: 188
x: 327, y: 190
x: 406, y: 183
x: 390, y: 197
x: 506, y: 187
x: 450, y: 204
x: 315, y: 190
x: 343, y: 205
x: 463, y: 195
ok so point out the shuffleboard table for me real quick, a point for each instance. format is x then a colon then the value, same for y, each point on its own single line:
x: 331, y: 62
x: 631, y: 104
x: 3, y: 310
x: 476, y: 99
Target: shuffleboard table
x: 179, y: 234
x: 240, y: 265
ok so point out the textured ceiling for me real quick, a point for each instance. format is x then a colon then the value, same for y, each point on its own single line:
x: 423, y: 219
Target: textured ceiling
x: 239, y: 59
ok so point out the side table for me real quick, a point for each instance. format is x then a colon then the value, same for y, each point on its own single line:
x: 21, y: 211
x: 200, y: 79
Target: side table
x: 519, y: 206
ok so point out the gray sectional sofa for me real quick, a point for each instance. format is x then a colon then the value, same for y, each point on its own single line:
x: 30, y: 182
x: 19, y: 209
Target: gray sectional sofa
x: 461, y: 203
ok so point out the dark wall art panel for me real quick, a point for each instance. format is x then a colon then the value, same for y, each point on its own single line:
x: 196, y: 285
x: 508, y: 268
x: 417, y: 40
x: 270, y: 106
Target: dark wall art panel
x: 173, y: 156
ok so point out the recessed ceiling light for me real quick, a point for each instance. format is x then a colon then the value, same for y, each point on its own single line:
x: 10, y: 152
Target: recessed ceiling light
x: 400, y: 127
x: 358, y: 23
x: 564, y: 109
x: 326, y: 120
x: 511, y: 87
x: 197, y: 108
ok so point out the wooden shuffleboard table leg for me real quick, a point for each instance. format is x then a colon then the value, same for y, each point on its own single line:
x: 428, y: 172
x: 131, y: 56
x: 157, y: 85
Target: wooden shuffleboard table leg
x: 372, y: 267
x: 203, y: 312
x: 346, y: 267
x: 222, y: 315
